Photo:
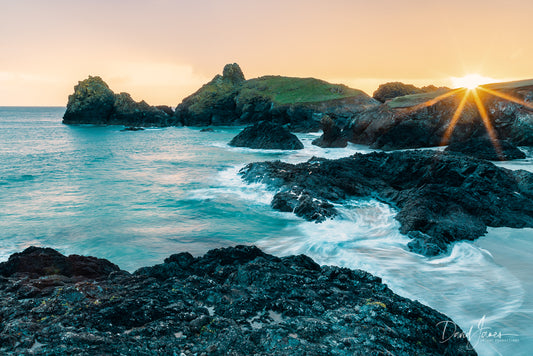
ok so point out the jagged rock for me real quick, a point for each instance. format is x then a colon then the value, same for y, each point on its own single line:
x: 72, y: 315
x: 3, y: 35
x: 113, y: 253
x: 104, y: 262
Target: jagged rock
x: 267, y: 135
x: 446, y: 196
x: 426, y: 245
x: 231, y: 301
x: 127, y: 110
x: 422, y: 120
x: 166, y: 109
x: 94, y: 103
x: 233, y: 73
x: 484, y: 148
x: 332, y: 136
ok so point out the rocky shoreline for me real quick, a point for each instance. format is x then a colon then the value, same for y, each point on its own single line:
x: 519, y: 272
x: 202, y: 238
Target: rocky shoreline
x: 231, y: 301
x: 400, y: 116
x: 441, y: 197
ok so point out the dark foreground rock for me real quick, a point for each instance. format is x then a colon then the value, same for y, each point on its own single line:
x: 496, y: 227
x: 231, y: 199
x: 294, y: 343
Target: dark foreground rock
x: 484, y: 148
x: 232, y: 301
x: 441, y: 197
x: 94, y: 103
x: 267, y: 135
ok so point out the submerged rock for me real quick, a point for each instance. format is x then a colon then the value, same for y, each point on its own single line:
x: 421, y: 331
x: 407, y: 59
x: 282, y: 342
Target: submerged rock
x: 441, y: 197
x: 484, y: 148
x: 94, y: 103
x: 231, y: 301
x: 267, y: 135
x: 132, y: 128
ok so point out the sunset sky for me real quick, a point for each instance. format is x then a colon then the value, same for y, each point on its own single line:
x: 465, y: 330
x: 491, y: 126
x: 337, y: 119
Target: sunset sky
x: 163, y: 50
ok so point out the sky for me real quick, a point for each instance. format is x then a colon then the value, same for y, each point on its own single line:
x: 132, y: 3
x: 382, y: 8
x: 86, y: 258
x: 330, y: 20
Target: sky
x: 163, y: 50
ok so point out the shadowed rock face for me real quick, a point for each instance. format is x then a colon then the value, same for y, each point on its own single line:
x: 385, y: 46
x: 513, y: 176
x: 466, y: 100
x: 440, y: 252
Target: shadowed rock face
x: 441, y: 197
x: 484, y: 148
x: 332, y: 135
x: 36, y: 262
x: 414, y: 121
x: 231, y: 301
x: 267, y: 135
x: 94, y: 103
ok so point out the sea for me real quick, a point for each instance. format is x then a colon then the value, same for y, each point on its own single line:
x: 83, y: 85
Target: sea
x: 137, y: 197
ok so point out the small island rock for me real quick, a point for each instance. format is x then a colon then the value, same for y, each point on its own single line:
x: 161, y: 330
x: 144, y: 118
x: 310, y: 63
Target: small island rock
x: 267, y: 135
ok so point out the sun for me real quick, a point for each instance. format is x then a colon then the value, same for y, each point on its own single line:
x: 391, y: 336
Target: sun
x: 471, y: 81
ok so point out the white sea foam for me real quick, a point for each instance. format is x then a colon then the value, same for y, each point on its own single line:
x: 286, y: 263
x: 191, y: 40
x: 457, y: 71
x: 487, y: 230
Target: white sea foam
x: 466, y: 284
x: 230, y: 184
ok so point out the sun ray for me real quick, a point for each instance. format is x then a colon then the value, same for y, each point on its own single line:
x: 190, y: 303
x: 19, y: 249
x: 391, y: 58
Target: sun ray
x: 455, y: 118
x: 488, y: 125
x: 437, y: 99
x: 507, y: 97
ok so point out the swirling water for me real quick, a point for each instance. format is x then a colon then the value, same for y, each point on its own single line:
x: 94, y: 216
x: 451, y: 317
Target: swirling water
x: 137, y: 197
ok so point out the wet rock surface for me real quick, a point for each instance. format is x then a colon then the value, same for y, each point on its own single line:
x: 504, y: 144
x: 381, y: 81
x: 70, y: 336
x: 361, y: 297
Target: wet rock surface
x: 332, y: 134
x: 267, y: 135
x: 441, y: 197
x: 484, y: 148
x: 232, y: 301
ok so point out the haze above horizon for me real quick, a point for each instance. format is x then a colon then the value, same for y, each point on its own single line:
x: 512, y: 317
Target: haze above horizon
x: 162, y: 50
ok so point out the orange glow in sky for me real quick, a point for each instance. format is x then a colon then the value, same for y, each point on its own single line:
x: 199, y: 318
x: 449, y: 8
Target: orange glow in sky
x: 163, y: 50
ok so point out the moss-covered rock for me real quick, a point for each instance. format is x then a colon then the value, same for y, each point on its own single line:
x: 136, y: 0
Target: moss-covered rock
x: 300, y: 102
x: 93, y: 102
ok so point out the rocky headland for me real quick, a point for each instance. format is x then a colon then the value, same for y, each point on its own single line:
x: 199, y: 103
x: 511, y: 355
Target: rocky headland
x: 231, y: 301
x: 230, y: 99
x: 93, y: 102
x: 399, y: 116
x: 440, y: 197
x: 422, y: 120
x: 484, y: 148
x: 267, y: 135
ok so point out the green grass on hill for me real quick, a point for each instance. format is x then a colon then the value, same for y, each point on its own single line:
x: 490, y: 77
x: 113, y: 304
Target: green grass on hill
x: 287, y: 90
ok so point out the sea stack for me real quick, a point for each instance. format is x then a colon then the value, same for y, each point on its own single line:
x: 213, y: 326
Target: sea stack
x: 93, y: 102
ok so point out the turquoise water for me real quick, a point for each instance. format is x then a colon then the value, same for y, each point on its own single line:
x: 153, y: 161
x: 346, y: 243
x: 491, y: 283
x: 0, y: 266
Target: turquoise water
x: 137, y: 197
